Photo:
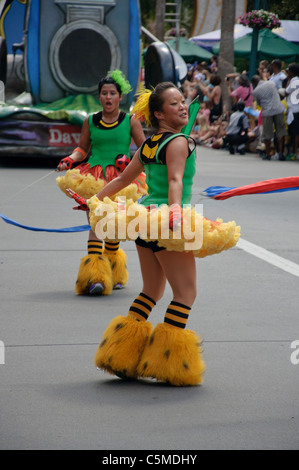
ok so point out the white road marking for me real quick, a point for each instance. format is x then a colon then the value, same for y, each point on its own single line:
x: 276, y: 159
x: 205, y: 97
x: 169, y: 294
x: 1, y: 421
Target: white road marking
x: 269, y: 257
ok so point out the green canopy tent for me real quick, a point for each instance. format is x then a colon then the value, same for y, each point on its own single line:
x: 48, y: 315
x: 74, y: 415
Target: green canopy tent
x: 270, y: 46
x: 190, y: 51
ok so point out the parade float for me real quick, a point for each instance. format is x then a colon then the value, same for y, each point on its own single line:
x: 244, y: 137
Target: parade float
x: 53, y: 55
x: 66, y: 47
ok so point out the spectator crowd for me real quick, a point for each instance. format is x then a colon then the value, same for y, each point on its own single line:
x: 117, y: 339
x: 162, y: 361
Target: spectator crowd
x: 264, y: 114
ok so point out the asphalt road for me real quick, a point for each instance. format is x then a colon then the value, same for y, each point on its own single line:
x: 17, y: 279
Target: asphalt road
x: 52, y: 396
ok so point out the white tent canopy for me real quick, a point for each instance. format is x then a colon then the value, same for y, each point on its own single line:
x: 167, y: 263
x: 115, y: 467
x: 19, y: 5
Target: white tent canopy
x: 288, y: 30
x: 208, y: 40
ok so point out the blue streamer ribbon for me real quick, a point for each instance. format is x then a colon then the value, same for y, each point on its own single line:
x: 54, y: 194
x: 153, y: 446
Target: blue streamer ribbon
x: 213, y: 191
x: 80, y: 228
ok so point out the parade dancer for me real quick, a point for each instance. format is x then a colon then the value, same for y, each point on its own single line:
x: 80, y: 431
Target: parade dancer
x: 130, y: 347
x: 108, y: 134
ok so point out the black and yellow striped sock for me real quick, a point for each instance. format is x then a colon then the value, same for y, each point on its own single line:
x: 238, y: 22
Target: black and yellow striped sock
x: 142, y: 307
x: 95, y: 247
x: 111, y: 247
x: 177, y: 314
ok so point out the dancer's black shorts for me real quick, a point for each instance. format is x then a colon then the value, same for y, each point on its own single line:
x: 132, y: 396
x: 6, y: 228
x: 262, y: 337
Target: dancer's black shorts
x: 151, y: 245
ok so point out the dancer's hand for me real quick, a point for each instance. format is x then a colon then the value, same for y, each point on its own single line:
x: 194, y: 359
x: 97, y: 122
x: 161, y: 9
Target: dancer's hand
x: 65, y: 164
x: 175, y: 217
x: 80, y: 200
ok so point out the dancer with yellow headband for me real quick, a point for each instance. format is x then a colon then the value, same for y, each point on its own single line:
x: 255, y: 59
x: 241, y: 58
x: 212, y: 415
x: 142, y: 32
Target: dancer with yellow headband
x: 130, y: 347
x: 109, y: 134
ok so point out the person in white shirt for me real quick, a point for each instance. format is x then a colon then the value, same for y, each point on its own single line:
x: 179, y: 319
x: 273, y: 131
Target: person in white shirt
x: 292, y: 92
x: 278, y: 76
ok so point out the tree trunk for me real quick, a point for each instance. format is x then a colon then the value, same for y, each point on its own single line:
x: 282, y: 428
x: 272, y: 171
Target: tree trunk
x: 160, y: 13
x: 226, y: 51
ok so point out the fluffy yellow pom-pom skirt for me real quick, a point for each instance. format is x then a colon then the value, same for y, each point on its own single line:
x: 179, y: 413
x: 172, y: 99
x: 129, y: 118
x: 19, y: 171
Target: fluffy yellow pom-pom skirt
x: 112, y: 220
x: 90, y: 181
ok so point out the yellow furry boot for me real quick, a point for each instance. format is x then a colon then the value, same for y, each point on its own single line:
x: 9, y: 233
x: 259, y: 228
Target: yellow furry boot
x: 122, y: 345
x: 118, y: 262
x: 95, y: 275
x: 172, y: 355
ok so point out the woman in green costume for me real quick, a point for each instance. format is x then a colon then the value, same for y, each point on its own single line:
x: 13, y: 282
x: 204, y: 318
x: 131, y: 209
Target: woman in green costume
x: 130, y: 348
x: 108, y: 134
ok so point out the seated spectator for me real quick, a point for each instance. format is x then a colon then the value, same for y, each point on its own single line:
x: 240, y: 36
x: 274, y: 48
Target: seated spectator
x: 217, y: 142
x: 237, y: 129
x: 216, y: 131
x: 200, y: 129
x: 205, y: 110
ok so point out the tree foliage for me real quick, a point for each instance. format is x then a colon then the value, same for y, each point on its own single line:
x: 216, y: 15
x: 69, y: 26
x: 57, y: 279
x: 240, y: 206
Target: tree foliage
x: 285, y: 9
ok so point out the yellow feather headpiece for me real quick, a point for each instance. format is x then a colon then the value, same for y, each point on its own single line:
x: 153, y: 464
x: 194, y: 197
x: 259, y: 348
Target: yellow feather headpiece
x: 141, y: 108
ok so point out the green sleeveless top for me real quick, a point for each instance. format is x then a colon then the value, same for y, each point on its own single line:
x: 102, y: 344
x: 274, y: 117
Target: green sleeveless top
x: 109, y: 140
x: 153, y: 156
